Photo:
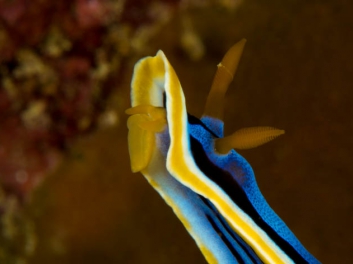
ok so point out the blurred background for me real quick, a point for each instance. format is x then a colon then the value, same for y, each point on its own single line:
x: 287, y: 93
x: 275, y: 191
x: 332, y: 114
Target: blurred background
x: 67, y: 193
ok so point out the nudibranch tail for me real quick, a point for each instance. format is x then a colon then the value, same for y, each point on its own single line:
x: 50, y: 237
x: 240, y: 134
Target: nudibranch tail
x: 247, y: 138
x: 224, y: 76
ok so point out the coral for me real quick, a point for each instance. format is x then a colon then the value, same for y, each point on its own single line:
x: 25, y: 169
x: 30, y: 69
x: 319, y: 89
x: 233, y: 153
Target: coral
x: 17, y: 231
x: 59, y: 63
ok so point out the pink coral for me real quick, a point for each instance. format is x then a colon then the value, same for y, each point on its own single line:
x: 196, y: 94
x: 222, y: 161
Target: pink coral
x: 11, y: 11
x: 90, y: 13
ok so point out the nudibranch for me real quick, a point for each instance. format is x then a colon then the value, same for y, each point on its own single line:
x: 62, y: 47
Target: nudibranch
x: 210, y: 187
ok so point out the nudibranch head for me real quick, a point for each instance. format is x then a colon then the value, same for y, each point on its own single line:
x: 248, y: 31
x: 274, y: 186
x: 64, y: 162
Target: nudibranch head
x: 211, y: 188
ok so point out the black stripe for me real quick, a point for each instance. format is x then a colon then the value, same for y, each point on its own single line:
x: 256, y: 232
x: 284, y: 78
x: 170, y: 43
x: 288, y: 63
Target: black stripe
x: 247, y: 249
x: 225, y: 240
x: 237, y: 239
x: 236, y: 193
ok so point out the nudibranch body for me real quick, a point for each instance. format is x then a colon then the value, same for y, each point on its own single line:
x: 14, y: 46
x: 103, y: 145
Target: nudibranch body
x: 210, y: 187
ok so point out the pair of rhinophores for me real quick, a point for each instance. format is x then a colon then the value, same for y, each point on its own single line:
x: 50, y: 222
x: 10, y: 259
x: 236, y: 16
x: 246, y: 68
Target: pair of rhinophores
x: 210, y: 187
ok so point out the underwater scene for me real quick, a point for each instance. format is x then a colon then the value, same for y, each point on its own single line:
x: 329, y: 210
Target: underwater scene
x: 67, y: 148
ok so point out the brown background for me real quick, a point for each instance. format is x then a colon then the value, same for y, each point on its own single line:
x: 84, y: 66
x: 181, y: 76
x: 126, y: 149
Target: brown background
x: 296, y: 74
